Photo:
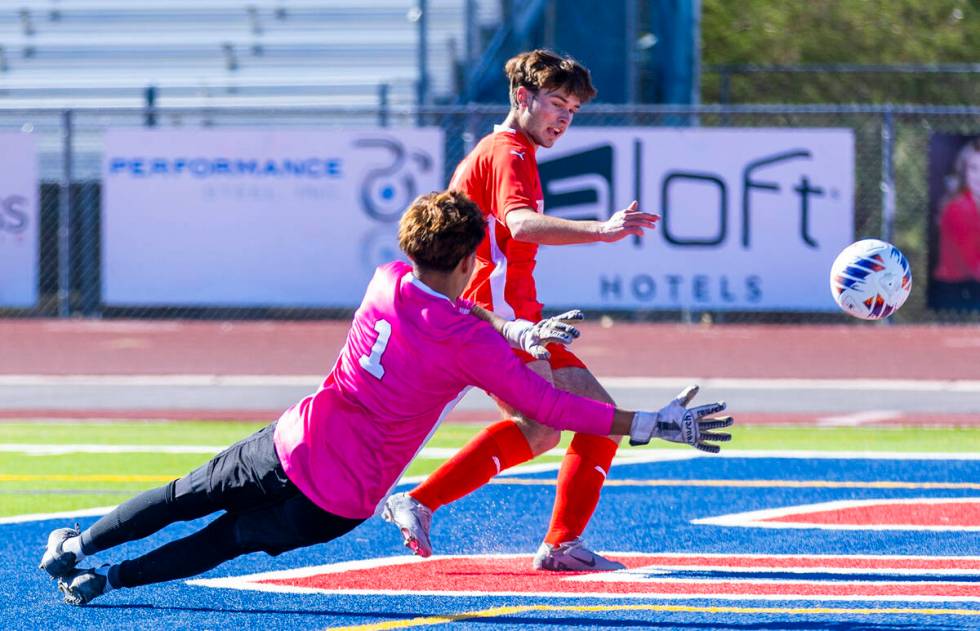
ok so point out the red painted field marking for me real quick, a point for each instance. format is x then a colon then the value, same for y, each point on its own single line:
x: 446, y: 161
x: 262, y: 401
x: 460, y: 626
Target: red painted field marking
x: 671, y: 576
x: 934, y: 514
x: 941, y: 514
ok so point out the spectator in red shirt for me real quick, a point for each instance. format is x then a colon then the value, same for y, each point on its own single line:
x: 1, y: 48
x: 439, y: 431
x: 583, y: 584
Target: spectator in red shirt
x: 956, y: 277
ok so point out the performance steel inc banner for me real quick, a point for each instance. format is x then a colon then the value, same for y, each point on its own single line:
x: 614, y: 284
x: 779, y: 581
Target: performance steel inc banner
x: 295, y: 218
x: 751, y: 218
x: 19, y: 189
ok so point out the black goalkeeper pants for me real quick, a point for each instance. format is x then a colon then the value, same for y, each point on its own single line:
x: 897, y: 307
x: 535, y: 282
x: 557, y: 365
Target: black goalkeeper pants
x: 264, y: 512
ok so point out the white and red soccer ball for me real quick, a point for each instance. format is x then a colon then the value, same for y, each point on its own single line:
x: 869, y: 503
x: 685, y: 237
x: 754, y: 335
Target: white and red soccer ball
x: 870, y: 279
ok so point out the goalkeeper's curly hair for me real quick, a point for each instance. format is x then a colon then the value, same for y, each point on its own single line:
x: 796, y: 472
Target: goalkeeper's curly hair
x: 440, y: 229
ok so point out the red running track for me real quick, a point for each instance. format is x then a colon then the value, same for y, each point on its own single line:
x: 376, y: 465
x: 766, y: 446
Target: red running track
x: 791, y: 419
x: 871, y: 351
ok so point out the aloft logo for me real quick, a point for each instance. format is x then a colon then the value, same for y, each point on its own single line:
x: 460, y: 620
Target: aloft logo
x: 581, y: 186
x: 13, y: 214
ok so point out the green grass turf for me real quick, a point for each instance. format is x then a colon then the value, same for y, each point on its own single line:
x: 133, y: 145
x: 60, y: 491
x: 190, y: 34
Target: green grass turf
x: 128, y: 433
x: 49, y: 483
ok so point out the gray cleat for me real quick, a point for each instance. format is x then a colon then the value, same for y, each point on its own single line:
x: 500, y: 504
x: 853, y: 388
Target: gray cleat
x: 572, y: 556
x: 55, y: 561
x: 413, y: 518
x: 82, y: 586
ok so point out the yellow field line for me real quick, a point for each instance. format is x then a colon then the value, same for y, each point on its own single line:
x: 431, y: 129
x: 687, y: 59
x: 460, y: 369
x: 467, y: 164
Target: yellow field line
x: 505, y: 611
x: 45, y: 477
x: 785, y: 484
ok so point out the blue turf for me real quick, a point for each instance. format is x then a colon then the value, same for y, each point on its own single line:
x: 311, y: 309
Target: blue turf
x: 508, y: 518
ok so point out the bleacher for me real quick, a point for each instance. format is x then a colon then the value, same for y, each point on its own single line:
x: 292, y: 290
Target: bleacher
x: 265, y: 53
x: 262, y: 58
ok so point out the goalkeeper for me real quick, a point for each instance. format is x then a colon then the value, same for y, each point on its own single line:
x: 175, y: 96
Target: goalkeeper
x: 330, y: 460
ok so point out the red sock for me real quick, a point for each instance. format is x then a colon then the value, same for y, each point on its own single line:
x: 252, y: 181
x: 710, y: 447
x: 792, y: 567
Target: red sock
x: 580, y: 480
x: 498, y: 447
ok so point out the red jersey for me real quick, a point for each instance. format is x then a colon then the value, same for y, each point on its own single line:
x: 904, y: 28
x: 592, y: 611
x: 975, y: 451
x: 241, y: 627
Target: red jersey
x: 501, y: 175
x: 959, y: 241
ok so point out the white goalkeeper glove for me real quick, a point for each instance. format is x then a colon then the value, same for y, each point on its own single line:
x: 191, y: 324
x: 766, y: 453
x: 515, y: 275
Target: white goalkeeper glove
x: 531, y: 337
x: 678, y: 424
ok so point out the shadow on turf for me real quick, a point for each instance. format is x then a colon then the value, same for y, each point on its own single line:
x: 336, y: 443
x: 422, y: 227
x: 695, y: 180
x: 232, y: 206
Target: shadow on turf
x: 565, y: 622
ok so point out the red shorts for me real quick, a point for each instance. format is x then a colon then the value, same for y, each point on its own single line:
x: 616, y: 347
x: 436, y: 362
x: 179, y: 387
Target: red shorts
x: 561, y: 357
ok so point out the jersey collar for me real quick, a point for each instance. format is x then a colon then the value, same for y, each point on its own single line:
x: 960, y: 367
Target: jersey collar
x: 410, y: 277
x: 521, y: 136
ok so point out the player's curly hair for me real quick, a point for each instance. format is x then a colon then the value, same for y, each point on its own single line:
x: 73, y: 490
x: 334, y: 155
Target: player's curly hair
x: 542, y: 68
x: 439, y: 229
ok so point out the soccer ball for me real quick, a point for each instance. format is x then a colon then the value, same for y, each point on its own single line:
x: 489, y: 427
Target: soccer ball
x: 870, y: 279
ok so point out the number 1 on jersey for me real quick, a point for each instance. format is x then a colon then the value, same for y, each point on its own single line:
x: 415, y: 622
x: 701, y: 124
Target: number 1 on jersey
x: 372, y: 362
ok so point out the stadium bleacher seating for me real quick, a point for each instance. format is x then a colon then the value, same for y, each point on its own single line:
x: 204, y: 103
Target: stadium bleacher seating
x: 71, y: 53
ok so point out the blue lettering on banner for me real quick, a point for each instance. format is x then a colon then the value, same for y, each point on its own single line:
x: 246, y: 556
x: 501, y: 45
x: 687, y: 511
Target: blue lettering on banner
x: 13, y: 214
x: 201, y: 167
x: 677, y: 290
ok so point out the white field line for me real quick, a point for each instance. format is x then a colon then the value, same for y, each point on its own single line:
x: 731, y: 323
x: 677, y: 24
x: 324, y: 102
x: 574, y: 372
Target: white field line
x: 645, y: 574
x: 61, y: 450
x: 627, y: 575
x: 66, y: 515
x: 161, y: 380
x: 633, y: 456
x: 858, y: 418
x: 565, y: 596
x: 626, y: 455
x: 905, y: 385
x: 44, y: 449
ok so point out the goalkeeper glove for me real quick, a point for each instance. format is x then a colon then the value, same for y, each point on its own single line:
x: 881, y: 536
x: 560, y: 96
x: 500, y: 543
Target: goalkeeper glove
x: 531, y: 337
x: 678, y: 424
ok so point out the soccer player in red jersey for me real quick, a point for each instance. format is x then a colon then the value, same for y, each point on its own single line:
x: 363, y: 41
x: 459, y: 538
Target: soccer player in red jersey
x: 501, y: 176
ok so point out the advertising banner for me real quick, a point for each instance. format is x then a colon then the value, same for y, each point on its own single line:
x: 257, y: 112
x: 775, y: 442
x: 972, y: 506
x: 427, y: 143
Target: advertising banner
x: 751, y: 219
x: 19, y: 215
x: 296, y: 218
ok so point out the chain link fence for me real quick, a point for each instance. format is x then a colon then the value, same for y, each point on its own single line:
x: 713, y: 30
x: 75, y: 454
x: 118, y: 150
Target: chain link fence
x: 937, y: 84
x: 891, y: 162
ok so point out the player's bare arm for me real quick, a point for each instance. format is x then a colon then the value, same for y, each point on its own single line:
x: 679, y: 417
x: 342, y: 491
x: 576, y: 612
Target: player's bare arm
x: 528, y: 225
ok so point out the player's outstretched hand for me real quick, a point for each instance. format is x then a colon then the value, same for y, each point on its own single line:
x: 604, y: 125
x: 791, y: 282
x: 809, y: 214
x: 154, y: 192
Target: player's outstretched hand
x: 679, y: 424
x: 629, y: 221
x: 531, y: 337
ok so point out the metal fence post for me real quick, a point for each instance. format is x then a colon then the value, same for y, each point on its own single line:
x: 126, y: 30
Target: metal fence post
x: 887, y: 174
x: 725, y: 93
x: 150, y: 99
x: 887, y: 181
x: 630, y: 70
x: 64, y: 219
x: 423, y: 60
x: 725, y: 85
x: 696, y: 63
x: 470, y: 35
x: 382, y: 104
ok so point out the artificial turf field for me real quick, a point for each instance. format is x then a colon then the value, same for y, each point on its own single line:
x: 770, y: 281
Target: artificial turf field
x: 745, y: 571
x: 51, y: 467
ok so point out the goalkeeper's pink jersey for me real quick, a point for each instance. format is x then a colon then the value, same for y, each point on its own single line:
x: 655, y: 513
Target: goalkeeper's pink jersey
x: 409, y: 356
